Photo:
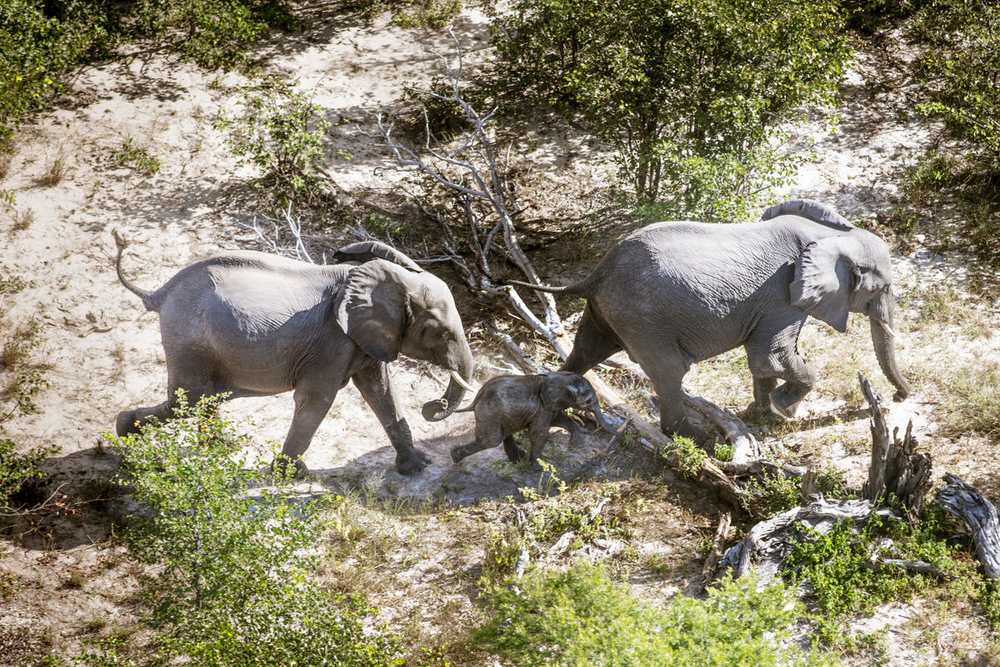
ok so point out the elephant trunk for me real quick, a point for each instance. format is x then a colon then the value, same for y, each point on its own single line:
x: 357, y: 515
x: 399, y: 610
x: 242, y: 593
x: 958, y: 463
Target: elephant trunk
x: 461, y: 372
x: 883, y: 338
x: 599, y: 416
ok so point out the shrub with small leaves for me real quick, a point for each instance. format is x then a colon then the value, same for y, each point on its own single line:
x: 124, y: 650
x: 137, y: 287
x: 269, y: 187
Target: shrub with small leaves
x: 235, y: 547
x: 581, y: 617
x: 280, y: 131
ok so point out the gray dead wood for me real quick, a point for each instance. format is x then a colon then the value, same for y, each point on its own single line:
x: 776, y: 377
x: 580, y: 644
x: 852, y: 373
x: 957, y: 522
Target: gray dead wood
x: 718, y: 543
x: 896, y: 468
x: 964, y: 501
x: 771, y: 542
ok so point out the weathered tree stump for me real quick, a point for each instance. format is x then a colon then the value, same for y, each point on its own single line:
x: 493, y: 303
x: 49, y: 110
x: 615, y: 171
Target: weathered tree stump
x: 896, y: 468
x: 961, y: 499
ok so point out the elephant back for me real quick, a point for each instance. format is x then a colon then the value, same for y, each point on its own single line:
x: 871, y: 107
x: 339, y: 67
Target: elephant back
x: 811, y: 210
x: 368, y: 250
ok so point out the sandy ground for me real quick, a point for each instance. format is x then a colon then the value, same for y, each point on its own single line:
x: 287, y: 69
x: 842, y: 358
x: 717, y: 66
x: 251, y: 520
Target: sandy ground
x: 103, y: 352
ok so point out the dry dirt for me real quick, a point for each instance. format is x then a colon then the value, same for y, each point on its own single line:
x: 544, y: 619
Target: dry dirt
x: 102, y: 352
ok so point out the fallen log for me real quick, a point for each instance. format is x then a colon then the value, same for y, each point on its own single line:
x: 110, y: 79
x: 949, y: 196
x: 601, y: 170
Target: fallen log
x: 964, y: 501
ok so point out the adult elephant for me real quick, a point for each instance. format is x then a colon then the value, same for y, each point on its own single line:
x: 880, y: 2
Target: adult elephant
x: 254, y: 324
x: 675, y: 293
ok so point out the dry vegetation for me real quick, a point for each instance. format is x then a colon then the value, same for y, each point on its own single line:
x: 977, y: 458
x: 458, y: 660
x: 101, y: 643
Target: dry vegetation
x: 133, y: 145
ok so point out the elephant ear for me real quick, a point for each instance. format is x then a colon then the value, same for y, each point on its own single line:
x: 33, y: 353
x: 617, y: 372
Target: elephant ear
x: 558, y: 390
x: 824, y: 281
x: 373, y: 308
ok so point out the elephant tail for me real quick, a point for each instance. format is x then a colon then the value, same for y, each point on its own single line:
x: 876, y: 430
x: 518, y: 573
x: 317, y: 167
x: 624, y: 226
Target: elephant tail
x: 148, y: 299
x: 578, y: 288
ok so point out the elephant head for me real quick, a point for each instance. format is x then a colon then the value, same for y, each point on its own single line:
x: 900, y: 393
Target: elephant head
x: 561, y: 390
x: 391, y: 308
x: 851, y: 272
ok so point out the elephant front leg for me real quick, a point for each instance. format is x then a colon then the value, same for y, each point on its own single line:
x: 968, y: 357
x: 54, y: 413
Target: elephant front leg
x: 538, y: 434
x: 799, y: 378
x: 311, y: 406
x: 564, y: 421
x: 376, y: 388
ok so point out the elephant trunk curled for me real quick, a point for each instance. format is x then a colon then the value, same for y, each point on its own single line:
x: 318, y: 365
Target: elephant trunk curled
x: 881, y: 316
x: 441, y: 408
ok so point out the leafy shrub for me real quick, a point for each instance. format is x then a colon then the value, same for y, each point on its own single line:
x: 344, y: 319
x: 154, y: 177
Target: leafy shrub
x: 582, y: 512
x: 37, y: 49
x: 212, y: 33
x: 689, y: 456
x: 961, y: 68
x: 841, y: 576
x: 232, y: 586
x: 22, y: 383
x: 771, y: 495
x: 410, y: 13
x: 580, y: 617
x: 690, y: 94
x: 280, y: 131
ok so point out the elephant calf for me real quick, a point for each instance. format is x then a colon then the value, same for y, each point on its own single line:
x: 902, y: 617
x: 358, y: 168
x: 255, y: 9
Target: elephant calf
x: 511, y: 403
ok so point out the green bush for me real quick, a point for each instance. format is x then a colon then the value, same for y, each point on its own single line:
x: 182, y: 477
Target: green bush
x: 42, y: 40
x: 234, y: 549
x: 21, y: 382
x: 410, y: 13
x: 843, y: 581
x: 280, y: 131
x: 580, y: 617
x: 36, y: 50
x: 212, y: 33
x: 690, y: 94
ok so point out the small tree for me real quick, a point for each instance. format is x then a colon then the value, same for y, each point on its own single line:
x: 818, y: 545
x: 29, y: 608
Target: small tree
x: 691, y: 94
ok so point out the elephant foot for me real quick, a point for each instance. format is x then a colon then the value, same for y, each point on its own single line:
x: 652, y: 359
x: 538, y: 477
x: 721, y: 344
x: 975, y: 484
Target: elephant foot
x: 784, y: 404
x: 458, y: 453
x: 899, y: 397
x: 125, y: 423
x: 279, y: 467
x: 411, y: 461
x: 515, y: 455
x: 762, y: 415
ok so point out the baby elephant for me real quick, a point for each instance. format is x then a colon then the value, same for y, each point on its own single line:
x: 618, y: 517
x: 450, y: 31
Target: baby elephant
x: 511, y: 403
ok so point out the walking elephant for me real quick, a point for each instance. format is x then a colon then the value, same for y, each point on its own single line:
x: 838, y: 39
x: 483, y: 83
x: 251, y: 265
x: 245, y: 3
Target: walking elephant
x: 254, y: 324
x: 507, y: 404
x: 674, y: 293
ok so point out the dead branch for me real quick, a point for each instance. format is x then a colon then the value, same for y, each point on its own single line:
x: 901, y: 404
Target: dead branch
x: 475, y: 173
x: 272, y: 238
x: 896, y: 468
x: 964, y: 501
x: 718, y: 542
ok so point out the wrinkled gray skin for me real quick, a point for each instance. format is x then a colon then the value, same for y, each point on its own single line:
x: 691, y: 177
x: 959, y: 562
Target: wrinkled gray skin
x: 675, y: 293
x: 255, y: 324
x: 511, y: 403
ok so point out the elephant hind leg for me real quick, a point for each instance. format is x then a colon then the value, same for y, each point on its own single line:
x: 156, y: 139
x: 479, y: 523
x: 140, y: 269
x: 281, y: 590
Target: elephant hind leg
x: 487, y: 435
x: 514, y: 453
x: 593, y: 344
x: 132, y: 421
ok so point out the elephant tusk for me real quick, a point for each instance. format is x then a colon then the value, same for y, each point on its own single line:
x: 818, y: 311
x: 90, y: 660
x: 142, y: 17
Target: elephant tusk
x: 460, y: 382
x: 887, y: 328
